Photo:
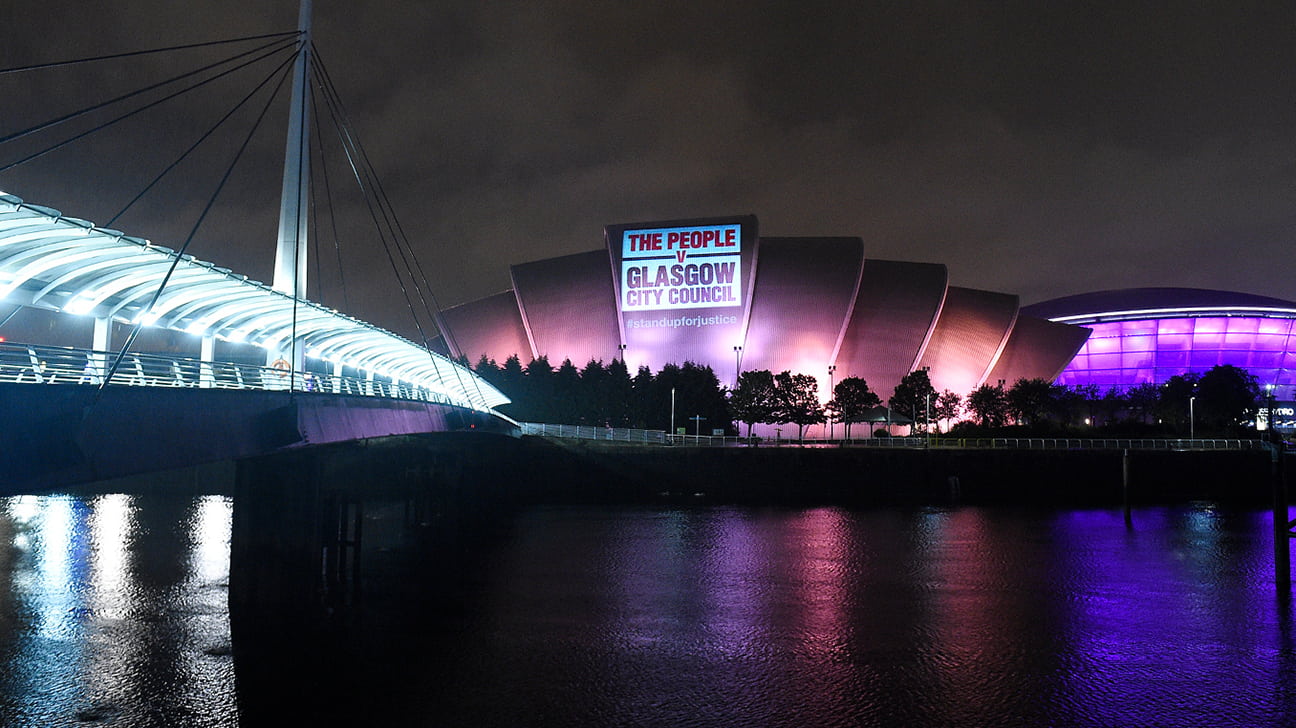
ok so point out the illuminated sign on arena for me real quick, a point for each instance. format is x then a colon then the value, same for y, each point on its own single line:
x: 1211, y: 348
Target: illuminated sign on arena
x: 683, y: 287
x: 681, y: 267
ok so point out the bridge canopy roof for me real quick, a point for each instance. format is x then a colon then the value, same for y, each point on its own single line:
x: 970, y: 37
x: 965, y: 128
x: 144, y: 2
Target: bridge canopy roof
x: 60, y: 263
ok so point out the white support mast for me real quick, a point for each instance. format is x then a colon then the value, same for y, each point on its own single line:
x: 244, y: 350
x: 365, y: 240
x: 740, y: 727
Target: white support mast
x: 293, y: 209
x: 290, y: 255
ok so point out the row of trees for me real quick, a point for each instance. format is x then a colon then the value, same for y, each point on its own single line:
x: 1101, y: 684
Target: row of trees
x: 762, y: 397
x: 1224, y: 399
x: 607, y: 395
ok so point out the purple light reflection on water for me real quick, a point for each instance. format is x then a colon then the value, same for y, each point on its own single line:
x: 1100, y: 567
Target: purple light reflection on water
x: 966, y: 617
x: 1175, y: 617
x: 701, y: 616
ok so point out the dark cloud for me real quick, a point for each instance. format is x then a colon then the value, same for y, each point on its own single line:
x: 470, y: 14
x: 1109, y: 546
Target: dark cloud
x: 1041, y: 149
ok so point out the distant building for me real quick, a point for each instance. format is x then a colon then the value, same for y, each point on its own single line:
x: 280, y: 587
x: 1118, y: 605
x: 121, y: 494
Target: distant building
x: 712, y: 291
x: 1151, y: 334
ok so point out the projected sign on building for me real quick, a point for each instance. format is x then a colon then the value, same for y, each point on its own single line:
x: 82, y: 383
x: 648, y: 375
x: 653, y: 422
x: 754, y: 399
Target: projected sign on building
x: 683, y: 287
x: 681, y: 267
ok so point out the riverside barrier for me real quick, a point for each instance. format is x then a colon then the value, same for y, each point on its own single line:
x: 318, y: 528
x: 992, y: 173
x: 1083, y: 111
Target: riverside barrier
x: 661, y: 437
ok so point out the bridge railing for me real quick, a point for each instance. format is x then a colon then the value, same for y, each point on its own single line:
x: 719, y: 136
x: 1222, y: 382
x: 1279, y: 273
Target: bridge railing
x: 33, y: 364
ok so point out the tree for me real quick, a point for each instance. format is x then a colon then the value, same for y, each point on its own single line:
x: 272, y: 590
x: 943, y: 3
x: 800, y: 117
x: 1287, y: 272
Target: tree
x: 797, y: 397
x: 947, y: 405
x: 697, y: 394
x: 753, y: 400
x: 592, y: 402
x: 539, y: 388
x: 564, y: 405
x: 1141, y: 401
x: 852, y: 399
x: 644, y: 412
x: 988, y: 405
x: 512, y: 382
x: 1172, y: 406
x: 1089, y: 398
x: 910, y: 395
x: 617, y: 392
x: 488, y: 370
x: 1113, y: 402
x: 1030, y: 401
x: 1227, y: 397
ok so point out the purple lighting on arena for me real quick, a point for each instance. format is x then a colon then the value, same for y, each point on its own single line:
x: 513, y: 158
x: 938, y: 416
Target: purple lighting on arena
x: 1126, y: 353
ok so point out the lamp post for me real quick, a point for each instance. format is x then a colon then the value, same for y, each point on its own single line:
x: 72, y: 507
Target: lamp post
x: 927, y: 418
x: 737, y: 364
x: 621, y: 352
x: 831, y: 368
x: 672, y: 427
x: 697, y: 426
x: 1269, y: 407
x: 1192, y: 419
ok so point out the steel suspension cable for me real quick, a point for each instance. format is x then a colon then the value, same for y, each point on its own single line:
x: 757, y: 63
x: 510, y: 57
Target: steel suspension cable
x: 328, y: 197
x: 129, y: 54
x: 139, y: 110
x: 201, y: 139
x: 282, y: 43
x: 179, y: 254
x: 399, y: 235
x: 354, y: 152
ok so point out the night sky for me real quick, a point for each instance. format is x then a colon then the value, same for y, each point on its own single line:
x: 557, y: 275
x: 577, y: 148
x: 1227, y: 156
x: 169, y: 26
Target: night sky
x: 1041, y: 149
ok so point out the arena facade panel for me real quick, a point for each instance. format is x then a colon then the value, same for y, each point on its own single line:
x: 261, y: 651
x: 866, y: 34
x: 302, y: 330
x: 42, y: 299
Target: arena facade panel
x: 969, y: 336
x: 568, y: 307
x: 893, y: 318
x: 713, y: 292
x: 805, y: 290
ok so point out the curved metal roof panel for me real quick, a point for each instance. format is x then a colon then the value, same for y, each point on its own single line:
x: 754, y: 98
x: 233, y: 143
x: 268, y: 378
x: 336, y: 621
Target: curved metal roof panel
x: 1143, y: 303
x: 65, y: 264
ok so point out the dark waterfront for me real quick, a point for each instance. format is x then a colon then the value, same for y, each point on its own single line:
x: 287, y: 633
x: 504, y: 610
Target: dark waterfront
x: 114, y: 612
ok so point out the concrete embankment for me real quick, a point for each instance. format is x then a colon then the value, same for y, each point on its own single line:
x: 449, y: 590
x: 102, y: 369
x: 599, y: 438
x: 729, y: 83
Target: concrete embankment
x: 482, y: 471
x: 585, y: 472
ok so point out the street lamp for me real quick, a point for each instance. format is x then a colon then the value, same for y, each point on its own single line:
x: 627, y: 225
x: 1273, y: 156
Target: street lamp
x: 621, y: 352
x: 1192, y: 419
x: 831, y: 368
x: 1269, y: 407
x: 737, y: 364
x: 672, y: 429
x: 697, y: 427
x: 927, y: 418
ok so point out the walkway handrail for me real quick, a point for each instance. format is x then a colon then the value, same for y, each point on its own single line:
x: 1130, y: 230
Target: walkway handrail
x: 660, y: 437
x: 35, y: 364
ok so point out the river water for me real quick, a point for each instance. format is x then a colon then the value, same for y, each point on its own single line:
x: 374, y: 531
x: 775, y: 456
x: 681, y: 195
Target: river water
x: 113, y: 611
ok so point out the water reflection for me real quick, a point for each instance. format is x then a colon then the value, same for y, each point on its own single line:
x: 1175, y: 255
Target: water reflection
x: 98, y: 626
x: 1178, y: 618
x: 113, y: 610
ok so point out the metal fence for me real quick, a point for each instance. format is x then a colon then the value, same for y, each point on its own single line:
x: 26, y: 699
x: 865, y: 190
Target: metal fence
x: 589, y: 432
x: 31, y: 364
x: 660, y: 437
x: 1065, y: 443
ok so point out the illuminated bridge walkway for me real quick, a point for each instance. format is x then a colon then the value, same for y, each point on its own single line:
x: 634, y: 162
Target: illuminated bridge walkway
x: 164, y: 413
x: 33, y: 364
x: 334, y: 378
x: 331, y: 377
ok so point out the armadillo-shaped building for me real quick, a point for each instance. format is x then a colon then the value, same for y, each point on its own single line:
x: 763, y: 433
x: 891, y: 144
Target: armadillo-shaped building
x: 712, y: 291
